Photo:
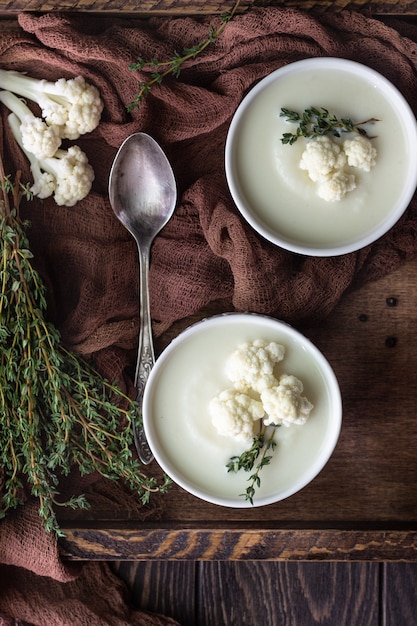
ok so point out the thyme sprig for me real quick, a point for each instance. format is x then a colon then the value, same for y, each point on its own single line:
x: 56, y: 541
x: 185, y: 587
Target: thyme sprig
x: 317, y: 121
x: 57, y: 413
x: 174, y: 65
x: 247, y: 461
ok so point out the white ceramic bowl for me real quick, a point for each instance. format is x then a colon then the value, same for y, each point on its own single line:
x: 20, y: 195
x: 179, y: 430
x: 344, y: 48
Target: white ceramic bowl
x: 279, y: 200
x: 178, y: 425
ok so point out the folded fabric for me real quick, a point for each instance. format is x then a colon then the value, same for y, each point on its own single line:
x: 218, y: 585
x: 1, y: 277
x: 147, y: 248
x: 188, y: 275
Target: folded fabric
x: 95, y: 597
x: 206, y: 253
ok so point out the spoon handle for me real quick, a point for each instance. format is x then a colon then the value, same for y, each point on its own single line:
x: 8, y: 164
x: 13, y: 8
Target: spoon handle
x: 146, y: 357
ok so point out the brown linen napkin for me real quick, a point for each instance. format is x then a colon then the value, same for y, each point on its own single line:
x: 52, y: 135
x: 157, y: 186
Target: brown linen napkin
x: 207, y: 252
x: 95, y: 598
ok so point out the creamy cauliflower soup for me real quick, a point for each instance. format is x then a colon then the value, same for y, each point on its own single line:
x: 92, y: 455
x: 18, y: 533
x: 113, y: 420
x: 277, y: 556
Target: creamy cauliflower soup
x: 192, y: 371
x: 280, y: 196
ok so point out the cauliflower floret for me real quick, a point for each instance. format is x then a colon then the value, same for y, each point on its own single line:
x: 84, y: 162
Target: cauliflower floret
x: 321, y: 158
x: 234, y: 414
x: 336, y: 186
x: 284, y: 403
x: 251, y: 366
x: 72, y: 105
x: 360, y: 153
x: 73, y: 175
x: 68, y: 174
x: 37, y: 137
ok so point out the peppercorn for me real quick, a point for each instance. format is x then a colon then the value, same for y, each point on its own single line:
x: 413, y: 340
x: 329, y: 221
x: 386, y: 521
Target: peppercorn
x: 391, y: 342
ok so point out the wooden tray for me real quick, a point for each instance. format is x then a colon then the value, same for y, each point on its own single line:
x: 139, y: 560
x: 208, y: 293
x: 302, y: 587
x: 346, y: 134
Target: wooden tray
x: 193, y: 7
x: 363, y: 505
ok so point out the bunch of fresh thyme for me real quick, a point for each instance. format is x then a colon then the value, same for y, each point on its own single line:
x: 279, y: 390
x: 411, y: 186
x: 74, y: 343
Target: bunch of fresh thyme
x: 56, y: 411
x: 247, y: 460
x: 173, y: 66
x: 315, y: 122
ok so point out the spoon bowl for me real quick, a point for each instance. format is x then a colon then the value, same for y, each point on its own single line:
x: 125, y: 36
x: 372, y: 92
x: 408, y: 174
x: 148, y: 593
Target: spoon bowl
x: 143, y: 195
x: 142, y: 186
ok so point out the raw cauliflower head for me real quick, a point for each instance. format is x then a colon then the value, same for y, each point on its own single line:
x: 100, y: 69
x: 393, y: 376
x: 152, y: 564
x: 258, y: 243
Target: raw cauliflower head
x: 360, y: 153
x: 321, y: 158
x: 251, y: 366
x: 284, y: 403
x: 233, y: 414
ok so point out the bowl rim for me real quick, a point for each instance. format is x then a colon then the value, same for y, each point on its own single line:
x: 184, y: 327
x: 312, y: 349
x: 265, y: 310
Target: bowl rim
x: 332, y: 433
x: 410, y: 185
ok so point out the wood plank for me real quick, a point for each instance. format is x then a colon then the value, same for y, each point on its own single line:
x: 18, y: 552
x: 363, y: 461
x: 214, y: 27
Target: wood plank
x: 399, y: 594
x: 289, y: 593
x: 244, y: 594
x: 162, y: 587
x: 203, y: 7
x: 113, y: 544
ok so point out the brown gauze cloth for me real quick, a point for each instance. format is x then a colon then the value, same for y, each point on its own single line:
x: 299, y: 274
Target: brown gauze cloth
x: 206, y: 253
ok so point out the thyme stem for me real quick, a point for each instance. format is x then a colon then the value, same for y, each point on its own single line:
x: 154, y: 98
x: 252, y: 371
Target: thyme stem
x: 57, y: 412
x: 317, y: 121
x: 174, y: 65
x: 248, y: 460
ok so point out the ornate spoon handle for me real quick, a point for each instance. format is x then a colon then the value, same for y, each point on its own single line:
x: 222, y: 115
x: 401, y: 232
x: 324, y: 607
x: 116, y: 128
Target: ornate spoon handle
x: 146, y: 357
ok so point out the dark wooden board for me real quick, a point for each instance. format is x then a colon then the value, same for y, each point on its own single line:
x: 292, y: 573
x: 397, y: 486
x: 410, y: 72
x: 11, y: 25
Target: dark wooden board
x: 275, y: 594
x: 363, y: 505
x: 244, y: 594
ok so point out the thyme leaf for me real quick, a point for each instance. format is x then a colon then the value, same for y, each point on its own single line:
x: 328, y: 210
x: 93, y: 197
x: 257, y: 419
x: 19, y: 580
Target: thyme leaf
x: 57, y: 412
x: 173, y: 66
x: 254, y: 458
x: 317, y: 121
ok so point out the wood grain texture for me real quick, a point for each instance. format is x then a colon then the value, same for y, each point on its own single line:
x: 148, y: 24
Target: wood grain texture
x: 297, y: 594
x: 249, y: 593
x: 399, y: 592
x: 113, y: 544
x: 203, y: 7
x: 275, y: 593
x: 162, y: 587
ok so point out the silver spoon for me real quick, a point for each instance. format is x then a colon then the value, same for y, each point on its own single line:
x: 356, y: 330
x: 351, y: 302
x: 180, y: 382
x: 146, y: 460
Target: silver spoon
x: 143, y: 195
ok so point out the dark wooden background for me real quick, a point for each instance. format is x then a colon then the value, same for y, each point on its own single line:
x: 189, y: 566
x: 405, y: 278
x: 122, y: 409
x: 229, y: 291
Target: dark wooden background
x: 228, y: 593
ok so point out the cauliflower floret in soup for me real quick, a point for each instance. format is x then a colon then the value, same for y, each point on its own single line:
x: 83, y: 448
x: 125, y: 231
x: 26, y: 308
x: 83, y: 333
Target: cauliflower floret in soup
x: 233, y: 414
x: 251, y: 366
x: 360, y: 153
x: 336, y: 187
x: 321, y: 158
x: 284, y: 403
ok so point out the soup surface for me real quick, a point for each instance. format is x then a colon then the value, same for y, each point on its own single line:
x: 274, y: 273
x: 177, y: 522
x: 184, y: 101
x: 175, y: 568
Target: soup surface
x: 185, y: 381
x: 281, y: 196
